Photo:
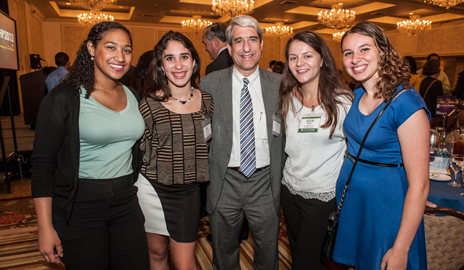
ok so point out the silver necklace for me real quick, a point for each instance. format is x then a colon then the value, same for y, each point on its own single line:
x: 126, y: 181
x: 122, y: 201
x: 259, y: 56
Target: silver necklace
x: 184, y: 101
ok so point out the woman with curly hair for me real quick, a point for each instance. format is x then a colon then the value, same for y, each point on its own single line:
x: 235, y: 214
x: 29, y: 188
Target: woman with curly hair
x: 380, y: 225
x: 175, y: 152
x: 84, y: 161
x: 311, y: 88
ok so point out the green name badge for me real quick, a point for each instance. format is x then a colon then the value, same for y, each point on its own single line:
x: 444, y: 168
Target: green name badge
x: 310, y: 124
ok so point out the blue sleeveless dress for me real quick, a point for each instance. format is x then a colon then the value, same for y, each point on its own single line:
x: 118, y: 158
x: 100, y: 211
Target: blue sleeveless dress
x: 371, y: 214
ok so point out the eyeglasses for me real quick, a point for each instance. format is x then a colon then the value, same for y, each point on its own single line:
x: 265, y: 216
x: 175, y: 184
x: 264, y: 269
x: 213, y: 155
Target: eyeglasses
x: 251, y: 41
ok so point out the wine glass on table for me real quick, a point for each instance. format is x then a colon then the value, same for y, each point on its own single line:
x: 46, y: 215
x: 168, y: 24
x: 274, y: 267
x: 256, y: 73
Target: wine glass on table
x: 457, y: 158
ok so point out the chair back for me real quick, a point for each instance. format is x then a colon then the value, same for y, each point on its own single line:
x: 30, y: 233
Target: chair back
x: 444, y: 236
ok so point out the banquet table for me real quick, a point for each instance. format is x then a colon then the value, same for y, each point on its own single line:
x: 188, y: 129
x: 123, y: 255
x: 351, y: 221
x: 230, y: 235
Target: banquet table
x: 444, y: 195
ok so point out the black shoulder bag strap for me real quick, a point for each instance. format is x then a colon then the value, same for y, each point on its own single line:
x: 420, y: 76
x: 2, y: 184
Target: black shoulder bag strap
x: 359, y: 152
x: 428, y: 88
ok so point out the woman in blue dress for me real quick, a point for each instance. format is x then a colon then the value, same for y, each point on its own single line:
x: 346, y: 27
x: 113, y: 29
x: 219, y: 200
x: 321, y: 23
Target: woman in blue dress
x: 381, y: 224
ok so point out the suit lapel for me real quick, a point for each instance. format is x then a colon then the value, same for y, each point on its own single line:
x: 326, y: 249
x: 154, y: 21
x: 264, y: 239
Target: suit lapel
x: 269, y: 100
x: 225, y: 92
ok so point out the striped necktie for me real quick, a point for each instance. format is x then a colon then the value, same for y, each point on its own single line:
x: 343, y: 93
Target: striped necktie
x: 247, y: 133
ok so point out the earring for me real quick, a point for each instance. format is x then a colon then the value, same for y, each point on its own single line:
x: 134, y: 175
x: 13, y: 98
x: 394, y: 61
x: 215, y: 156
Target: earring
x: 91, y: 58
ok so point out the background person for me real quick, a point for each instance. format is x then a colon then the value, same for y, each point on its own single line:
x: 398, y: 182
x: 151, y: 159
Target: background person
x: 83, y: 164
x: 442, y: 77
x: 245, y: 178
x: 391, y: 182
x: 175, y: 152
x: 278, y: 67
x: 415, y: 80
x: 141, y: 79
x: 459, y: 89
x: 54, y: 78
x: 431, y: 88
x: 271, y: 65
x: 311, y: 86
x: 214, y: 39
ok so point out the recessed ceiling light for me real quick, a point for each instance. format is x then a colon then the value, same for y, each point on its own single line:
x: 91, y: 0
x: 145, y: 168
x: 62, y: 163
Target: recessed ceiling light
x: 68, y: 4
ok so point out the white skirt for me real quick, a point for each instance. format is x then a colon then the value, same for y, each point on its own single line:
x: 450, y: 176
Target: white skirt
x: 152, y: 208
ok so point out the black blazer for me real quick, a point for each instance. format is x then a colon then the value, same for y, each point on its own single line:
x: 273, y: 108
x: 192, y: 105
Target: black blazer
x: 56, y: 154
x: 221, y: 62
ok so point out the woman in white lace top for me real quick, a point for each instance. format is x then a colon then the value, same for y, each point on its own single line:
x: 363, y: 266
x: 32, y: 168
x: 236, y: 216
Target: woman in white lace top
x: 314, y: 102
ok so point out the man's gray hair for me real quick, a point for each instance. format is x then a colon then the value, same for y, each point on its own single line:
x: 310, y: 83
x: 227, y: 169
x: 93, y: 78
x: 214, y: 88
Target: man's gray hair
x: 243, y: 21
x: 216, y: 30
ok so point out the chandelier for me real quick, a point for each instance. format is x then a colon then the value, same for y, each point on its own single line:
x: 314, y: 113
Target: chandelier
x: 337, y: 17
x: 279, y: 30
x: 94, y: 5
x: 232, y: 8
x: 94, y: 15
x: 413, y: 25
x: 92, y: 18
x: 338, y: 36
x: 444, y: 3
x: 196, y: 24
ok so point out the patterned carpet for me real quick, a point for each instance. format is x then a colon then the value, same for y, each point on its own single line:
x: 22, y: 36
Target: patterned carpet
x: 18, y: 237
x: 17, y: 213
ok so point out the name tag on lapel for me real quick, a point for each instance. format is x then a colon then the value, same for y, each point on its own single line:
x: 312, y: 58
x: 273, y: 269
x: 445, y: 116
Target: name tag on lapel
x: 276, y: 124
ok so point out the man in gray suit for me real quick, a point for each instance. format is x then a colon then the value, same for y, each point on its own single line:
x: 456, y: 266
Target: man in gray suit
x: 246, y: 155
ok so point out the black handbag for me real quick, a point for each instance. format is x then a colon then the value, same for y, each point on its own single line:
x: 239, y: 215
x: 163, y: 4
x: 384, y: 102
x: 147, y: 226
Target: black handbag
x: 332, y: 227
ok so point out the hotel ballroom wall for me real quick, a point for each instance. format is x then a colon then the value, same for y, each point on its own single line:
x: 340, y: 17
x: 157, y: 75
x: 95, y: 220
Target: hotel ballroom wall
x: 38, y: 35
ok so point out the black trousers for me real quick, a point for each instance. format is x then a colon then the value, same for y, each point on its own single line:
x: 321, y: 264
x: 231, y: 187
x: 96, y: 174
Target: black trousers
x: 306, y: 222
x: 105, y: 231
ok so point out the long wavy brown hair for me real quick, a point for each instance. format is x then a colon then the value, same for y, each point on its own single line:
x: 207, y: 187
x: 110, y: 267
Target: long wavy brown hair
x: 156, y: 72
x: 393, y: 70
x: 82, y: 69
x: 331, y: 85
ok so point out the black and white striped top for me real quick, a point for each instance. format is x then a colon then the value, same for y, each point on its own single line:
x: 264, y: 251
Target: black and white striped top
x: 173, y: 145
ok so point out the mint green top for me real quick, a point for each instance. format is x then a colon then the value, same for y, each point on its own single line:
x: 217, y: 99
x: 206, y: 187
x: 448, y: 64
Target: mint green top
x: 107, y: 137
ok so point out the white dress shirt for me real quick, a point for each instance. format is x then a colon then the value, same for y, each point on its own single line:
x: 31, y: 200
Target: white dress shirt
x: 259, y: 119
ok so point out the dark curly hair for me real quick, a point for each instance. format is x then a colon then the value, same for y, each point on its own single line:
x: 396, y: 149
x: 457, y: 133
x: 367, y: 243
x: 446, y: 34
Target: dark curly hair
x: 392, y: 69
x: 412, y: 64
x: 331, y: 86
x: 82, y: 69
x: 156, y: 67
x: 140, y: 79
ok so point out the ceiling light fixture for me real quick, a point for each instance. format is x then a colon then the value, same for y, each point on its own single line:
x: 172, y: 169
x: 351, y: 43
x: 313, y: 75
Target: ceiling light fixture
x: 337, y: 17
x: 444, y: 3
x: 94, y: 15
x: 196, y: 24
x: 338, y: 36
x: 279, y: 30
x: 92, y: 18
x: 232, y: 8
x: 413, y: 26
x: 94, y: 5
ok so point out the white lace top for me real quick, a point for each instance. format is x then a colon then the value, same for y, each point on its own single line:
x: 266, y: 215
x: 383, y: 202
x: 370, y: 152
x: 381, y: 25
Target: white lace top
x: 314, y: 160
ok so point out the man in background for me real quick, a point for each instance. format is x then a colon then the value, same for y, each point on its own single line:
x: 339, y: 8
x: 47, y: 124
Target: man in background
x: 442, y: 77
x: 214, y: 39
x: 62, y: 61
x: 278, y: 67
x: 271, y: 65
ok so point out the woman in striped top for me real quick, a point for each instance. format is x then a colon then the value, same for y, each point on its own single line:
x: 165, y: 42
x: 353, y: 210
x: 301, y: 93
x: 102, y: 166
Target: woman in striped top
x: 175, y: 152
